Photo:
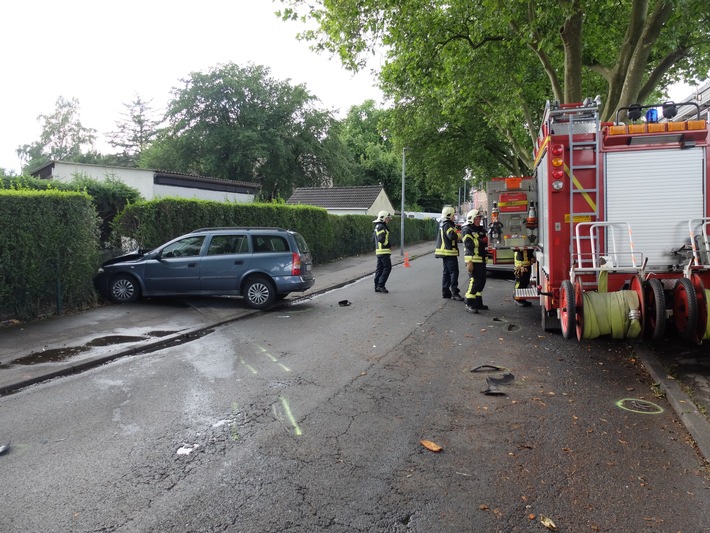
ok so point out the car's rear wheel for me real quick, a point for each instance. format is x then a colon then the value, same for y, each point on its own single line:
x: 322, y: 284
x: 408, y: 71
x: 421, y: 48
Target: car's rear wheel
x: 259, y: 292
x: 124, y: 289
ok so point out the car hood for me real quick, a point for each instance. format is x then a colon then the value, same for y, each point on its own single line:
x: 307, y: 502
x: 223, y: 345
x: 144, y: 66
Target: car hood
x: 127, y: 258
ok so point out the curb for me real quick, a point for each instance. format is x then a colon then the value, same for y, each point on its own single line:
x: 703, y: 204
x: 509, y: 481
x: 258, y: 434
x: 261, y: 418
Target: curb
x: 694, y: 421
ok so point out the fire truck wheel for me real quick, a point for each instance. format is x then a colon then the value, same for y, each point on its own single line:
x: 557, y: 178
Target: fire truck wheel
x: 685, y: 309
x: 568, y: 310
x: 654, y: 312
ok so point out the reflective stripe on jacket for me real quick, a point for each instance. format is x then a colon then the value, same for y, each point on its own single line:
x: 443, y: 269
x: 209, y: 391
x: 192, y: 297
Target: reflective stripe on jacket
x: 524, y: 258
x: 475, y: 243
x: 382, y: 239
x: 446, y: 240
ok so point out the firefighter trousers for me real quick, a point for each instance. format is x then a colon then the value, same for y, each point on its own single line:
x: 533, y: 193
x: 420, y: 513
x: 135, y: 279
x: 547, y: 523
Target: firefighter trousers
x: 476, y: 283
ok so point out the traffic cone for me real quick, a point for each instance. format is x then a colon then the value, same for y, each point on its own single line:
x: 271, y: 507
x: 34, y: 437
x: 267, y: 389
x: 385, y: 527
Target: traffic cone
x: 406, y: 260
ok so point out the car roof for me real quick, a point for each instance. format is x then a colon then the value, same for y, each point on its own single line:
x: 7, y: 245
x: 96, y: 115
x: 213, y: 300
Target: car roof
x: 239, y: 228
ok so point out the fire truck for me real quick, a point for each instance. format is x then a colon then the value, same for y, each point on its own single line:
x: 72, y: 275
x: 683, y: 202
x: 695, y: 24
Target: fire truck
x: 511, y: 212
x: 622, y: 244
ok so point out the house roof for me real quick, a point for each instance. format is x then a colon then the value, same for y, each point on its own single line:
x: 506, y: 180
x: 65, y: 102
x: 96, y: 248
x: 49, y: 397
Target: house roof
x: 337, y: 197
x: 45, y: 172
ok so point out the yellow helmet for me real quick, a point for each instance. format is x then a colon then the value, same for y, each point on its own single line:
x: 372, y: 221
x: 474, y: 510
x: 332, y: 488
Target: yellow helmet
x: 447, y: 213
x: 382, y: 215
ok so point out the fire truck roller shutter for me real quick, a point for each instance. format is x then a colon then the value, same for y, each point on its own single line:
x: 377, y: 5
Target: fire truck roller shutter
x: 656, y: 192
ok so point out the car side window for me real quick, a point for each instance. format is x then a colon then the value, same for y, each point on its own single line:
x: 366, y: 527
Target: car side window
x: 270, y: 243
x: 227, y: 244
x: 187, y: 247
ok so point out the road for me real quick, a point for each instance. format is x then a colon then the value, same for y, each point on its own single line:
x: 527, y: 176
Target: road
x: 311, y: 418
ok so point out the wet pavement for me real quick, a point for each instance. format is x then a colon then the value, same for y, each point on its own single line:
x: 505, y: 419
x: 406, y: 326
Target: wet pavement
x: 40, y: 350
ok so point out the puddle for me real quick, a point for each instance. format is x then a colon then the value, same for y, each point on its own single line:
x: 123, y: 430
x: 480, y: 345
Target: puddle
x: 110, y: 340
x: 61, y: 354
x: 50, y: 356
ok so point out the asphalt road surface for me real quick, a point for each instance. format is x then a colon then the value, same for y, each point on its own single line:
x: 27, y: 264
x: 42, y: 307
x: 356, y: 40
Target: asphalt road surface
x: 311, y: 418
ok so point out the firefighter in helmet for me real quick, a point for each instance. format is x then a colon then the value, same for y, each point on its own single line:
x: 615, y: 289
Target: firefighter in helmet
x: 475, y: 244
x: 447, y: 249
x: 524, y: 258
x: 383, y: 250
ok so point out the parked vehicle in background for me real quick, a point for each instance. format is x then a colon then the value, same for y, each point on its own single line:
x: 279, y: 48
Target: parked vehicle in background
x: 260, y: 264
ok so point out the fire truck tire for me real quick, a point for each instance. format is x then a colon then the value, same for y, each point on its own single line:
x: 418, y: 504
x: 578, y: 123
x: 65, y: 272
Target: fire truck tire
x: 654, y: 312
x: 568, y: 310
x: 685, y: 309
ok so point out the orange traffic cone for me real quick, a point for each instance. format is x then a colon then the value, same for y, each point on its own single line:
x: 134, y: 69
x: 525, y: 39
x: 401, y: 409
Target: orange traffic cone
x: 406, y: 260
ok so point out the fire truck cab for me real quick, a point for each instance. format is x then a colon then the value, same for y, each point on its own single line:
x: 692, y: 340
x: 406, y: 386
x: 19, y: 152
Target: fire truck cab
x: 623, y: 210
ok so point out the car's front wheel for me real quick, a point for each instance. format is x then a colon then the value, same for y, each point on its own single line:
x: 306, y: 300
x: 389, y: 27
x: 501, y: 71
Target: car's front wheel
x: 124, y: 289
x: 259, y: 293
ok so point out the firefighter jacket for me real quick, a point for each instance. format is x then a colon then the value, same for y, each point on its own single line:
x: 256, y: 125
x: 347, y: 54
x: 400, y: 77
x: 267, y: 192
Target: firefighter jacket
x: 382, y: 239
x: 475, y: 243
x: 447, y: 240
x: 524, y: 258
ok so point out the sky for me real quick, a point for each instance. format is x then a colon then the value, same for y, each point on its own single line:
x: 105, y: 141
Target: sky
x: 105, y: 53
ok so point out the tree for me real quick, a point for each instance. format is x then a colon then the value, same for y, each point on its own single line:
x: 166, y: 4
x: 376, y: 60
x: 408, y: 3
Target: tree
x: 241, y: 124
x: 63, y: 137
x: 374, y: 162
x: 501, y: 59
x: 135, y: 131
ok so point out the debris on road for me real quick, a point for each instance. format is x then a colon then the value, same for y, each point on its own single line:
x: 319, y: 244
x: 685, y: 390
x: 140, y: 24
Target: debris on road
x: 431, y: 446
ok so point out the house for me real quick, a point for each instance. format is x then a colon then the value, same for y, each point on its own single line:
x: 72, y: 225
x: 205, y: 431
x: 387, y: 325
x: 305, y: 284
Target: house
x: 365, y: 200
x: 155, y: 183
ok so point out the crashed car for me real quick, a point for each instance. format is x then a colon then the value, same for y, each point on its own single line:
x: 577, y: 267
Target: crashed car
x: 259, y: 264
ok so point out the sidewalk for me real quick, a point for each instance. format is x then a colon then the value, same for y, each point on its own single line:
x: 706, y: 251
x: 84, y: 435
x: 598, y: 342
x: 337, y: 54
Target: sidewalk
x: 37, y: 351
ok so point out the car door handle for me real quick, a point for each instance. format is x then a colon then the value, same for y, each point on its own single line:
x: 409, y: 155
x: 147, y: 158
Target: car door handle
x: 191, y: 265
x: 239, y: 262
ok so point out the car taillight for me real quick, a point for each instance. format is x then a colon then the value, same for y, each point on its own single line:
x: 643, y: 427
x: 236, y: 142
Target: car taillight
x: 295, y: 265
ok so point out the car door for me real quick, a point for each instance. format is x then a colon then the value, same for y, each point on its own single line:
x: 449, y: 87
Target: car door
x: 226, y: 260
x: 176, y: 269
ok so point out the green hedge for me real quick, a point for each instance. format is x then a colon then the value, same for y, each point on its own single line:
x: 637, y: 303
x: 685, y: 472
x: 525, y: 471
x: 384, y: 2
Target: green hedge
x: 49, y: 248
x: 330, y: 237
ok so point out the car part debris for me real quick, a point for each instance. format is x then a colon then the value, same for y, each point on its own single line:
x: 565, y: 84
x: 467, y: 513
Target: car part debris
x: 487, y: 368
x: 492, y: 389
x: 506, y: 379
x: 344, y: 303
x: 4, y: 447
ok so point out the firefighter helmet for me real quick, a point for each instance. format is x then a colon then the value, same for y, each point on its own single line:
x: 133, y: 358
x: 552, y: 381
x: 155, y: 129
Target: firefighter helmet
x: 382, y: 215
x: 472, y: 214
x: 447, y: 213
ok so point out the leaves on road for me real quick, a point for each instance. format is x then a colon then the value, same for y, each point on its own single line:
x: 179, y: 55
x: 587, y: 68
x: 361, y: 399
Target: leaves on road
x: 431, y: 446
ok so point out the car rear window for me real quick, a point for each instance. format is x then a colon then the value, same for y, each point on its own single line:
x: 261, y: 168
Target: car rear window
x: 301, y: 242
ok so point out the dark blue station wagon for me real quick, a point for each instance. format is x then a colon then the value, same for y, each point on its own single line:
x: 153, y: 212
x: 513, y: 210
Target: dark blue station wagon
x: 260, y: 264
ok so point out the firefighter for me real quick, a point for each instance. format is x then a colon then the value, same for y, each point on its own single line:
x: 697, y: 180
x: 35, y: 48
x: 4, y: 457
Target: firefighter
x: 523, y: 259
x: 447, y: 249
x: 383, y: 250
x: 475, y: 244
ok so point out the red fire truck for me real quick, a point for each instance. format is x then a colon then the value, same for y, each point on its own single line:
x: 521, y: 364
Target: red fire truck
x: 511, y: 210
x: 623, y: 245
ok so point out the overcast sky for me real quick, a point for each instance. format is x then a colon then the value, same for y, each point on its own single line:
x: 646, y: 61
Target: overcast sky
x: 103, y: 53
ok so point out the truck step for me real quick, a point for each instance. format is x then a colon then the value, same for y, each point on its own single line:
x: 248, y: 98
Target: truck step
x: 530, y: 292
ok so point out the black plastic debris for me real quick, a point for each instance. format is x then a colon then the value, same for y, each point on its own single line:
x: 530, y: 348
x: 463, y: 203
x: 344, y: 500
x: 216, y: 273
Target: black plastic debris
x: 504, y: 380
x: 344, y: 303
x: 4, y: 447
x: 493, y: 389
x: 487, y: 368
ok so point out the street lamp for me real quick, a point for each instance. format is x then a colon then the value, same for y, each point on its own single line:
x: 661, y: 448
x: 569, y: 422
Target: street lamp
x: 401, y: 213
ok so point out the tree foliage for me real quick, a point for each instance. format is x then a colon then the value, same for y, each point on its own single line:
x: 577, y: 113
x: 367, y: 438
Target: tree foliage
x: 465, y: 68
x: 135, y: 132
x: 241, y: 124
x: 62, y: 138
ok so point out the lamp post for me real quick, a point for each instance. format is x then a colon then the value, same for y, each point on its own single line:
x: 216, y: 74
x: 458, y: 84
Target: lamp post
x: 401, y: 212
